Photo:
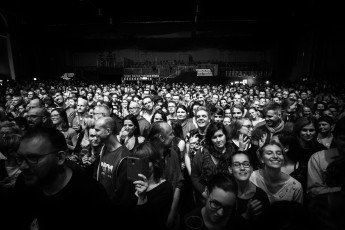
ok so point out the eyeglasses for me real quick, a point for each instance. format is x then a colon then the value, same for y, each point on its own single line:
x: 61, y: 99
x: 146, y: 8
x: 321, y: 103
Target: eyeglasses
x: 215, y: 206
x: 33, y: 116
x: 149, y: 102
x: 245, y: 164
x: 31, y: 159
x: 248, y: 126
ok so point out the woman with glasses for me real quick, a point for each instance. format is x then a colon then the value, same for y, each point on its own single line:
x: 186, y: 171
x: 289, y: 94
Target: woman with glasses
x: 251, y: 200
x: 212, y: 158
x: 129, y: 135
x: 219, y: 210
x: 60, y: 122
x: 270, y: 178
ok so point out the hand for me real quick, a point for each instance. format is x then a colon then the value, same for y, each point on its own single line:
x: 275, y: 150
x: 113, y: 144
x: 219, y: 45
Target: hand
x: 254, y: 208
x: 141, y: 186
x: 86, y: 160
x: 123, y: 133
x: 243, y: 142
x: 262, y: 140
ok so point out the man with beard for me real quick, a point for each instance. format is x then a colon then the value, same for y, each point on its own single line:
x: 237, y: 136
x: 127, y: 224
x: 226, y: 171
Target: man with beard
x: 71, y: 110
x: 161, y: 135
x: 46, y: 186
x: 273, y: 124
x: 38, y: 117
x: 59, y: 101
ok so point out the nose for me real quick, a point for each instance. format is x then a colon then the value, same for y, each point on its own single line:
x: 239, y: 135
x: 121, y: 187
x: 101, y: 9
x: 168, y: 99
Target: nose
x: 23, y: 165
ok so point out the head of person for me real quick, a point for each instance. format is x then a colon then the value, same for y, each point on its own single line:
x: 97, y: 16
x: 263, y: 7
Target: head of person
x: 176, y: 126
x: 241, y: 126
x: 105, y: 127
x: 227, y: 121
x: 161, y: 132
x: 306, y: 111
x: 181, y: 113
x: 227, y: 111
x: 305, y: 129
x: 149, y: 151
x: 37, y: 117
x: 101, y: 111
x: 59, y: 117
x: 237, y: 99
x: 272, y: 155
x: 237, y: 111
x: 171, y: 107
x: 253, y: 113
x: 82, y: 105
x: 241, y: 166
x: 194, y: 107
x: 221, y: 194
x: 289, y: 105
x: 147, y: 103
x: 58, y: 98
x: 325, y: 124
x: 216, y: 136
x: 215, y: 99
x: 272, y: 115
x: 158, y: 115
x: 218, y: 114
x: 130, y: 124
x: 290, y: 144
x: 41, y: 155
x: 203, y: 117
x: 36, y: 103
x: 176, y: 99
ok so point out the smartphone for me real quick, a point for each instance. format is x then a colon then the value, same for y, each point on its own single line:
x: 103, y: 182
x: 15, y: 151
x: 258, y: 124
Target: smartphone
x: 137, y: 166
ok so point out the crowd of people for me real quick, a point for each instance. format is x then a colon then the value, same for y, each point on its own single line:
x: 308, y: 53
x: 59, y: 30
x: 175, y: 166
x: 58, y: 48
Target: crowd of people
x: 231, y: 156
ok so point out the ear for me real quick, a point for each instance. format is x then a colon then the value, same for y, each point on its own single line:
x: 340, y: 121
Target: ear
x: 230, y: 170
x: 205, y: 193
x: 286, y: 148
x: 161, y: 138
x: 61, y: 157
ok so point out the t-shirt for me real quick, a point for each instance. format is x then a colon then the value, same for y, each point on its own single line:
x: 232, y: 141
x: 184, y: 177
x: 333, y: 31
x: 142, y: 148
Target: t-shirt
x: 76, y: 206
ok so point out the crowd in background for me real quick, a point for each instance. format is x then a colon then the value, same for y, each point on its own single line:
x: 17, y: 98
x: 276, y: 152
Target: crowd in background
x: 220, y: 156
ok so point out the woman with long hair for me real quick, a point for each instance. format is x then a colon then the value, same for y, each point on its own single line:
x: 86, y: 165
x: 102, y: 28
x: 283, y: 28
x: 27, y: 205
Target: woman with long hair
x: 158, y: 115
x: 306, y: 133
x: 213, y: 157
x: 60, y: 122
x: 129, y: 135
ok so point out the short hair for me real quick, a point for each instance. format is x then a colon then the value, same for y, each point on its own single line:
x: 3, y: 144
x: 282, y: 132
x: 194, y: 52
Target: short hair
x: 301, y: 122
x: 54, y: 136
x: 237, y: 106
x: 108, y: 123
x: 104, y: 108
x: 244, y: 153
x: 272, y: 106
x: 148, y: 150
x: 272, y: 142
x: 223, y: 181
x: 235, y: 126
x: 203, y: 108
x: 14, y: 127
x: 155, y: 130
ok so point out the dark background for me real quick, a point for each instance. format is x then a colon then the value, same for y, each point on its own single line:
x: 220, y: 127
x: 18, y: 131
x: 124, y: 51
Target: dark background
x: 297, y: 38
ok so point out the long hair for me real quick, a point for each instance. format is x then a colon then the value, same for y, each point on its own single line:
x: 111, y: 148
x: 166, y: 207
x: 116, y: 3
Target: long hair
x: 177, y: 128
x: 133, y: 118
x: 63, y: 115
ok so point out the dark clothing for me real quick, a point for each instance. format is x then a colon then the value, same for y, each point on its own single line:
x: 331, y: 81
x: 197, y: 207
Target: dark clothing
x: 118, y: 123
x: 304, y: 154
x: 260, y: 195
x: 251, y: 151
x: 76, y: 206
x: 107, y: 172
x: 235, y: 222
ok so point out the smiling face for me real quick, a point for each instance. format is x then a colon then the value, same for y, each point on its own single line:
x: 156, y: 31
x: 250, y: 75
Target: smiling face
x: 308, y: 132
x: 241, y: 168
x: 202, y: 118
x: 181, y: 114
x: 272, y: 156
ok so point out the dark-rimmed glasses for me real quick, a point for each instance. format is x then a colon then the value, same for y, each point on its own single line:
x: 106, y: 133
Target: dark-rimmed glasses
x: 245, y: 164
x: 216, y: 205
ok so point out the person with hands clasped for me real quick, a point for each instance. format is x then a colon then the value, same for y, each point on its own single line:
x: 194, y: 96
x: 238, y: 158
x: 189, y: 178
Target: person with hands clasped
x: 251, y: 200
x: 130, y: 133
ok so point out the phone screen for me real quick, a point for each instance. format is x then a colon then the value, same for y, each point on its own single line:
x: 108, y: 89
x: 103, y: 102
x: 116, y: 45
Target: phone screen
x: 137, y: 166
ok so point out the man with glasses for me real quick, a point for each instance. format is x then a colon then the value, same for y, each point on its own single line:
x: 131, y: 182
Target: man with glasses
x: 47, y: 186
x: 37, y: 117
x: 144, y: 125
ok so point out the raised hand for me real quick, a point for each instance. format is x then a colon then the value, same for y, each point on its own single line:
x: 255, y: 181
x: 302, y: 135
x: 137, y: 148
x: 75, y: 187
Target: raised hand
x: 262, y: 140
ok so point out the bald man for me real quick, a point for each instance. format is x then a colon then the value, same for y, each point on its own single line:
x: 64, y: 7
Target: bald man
x: 36, y: 103
x: 38, y: 117
x: 112, y: 153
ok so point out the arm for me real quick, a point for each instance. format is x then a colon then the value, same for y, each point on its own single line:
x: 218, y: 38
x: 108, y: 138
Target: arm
x: 174, y: 208
x: 187, y: 160
x: 196, y: 172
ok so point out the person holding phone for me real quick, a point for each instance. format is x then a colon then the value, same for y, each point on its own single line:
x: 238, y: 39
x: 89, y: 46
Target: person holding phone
x: 240, y: 136
x: 148, y: 198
